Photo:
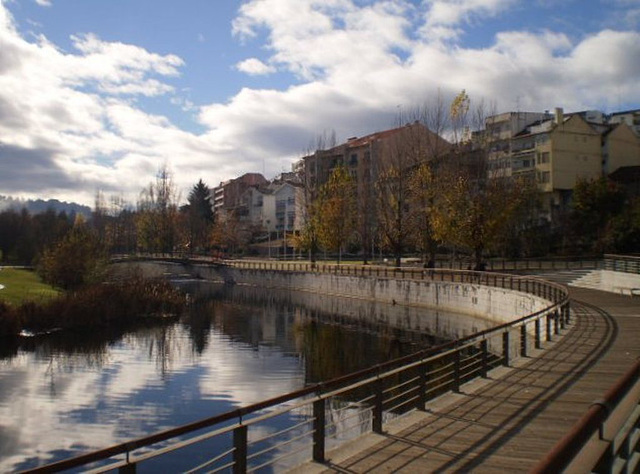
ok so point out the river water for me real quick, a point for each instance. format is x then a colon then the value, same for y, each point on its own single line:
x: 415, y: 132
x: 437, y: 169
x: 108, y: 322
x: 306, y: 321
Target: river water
x: 65, y: 394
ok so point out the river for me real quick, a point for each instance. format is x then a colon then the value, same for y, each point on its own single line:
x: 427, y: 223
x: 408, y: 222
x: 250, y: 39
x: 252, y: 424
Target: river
x: 65, y: 394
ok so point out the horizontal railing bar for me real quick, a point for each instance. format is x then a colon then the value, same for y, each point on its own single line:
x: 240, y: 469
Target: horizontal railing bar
x: 357, y: 407
x: 222, y: 468
x: 348, y: 417
x: 400, y: 385
x: 107, y: 468
x: 275, y: 460
x: 444, y: 368
x: 438, y: 387
x: 446, y: 375
x: 402, y: 394
x: 401, y: 404
x: 476, y: 361
x: 473, y: 373
x: 279, y: 433
x: 276, y: 446
x: 210, y: 461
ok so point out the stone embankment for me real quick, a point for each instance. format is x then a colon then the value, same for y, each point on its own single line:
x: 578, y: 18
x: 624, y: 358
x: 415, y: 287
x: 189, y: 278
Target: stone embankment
x: 444, y: 308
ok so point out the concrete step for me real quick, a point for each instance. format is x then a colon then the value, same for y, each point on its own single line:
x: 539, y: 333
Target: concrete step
x: 565, y: 277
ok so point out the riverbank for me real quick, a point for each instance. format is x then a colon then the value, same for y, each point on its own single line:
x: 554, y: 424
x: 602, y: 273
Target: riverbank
x: 127, y: 301
x: 19, y: 285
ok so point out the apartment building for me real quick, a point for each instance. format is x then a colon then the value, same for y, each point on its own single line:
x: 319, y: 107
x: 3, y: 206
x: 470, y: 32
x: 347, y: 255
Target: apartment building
x: 629, y: 117
x: 364, y: 157
x: 226, y: 196
x: 274, y: 207
x: 500, y: 130
x: 559, y: 151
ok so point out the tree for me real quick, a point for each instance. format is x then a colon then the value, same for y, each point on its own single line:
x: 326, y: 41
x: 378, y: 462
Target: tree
x: 595, y: 203
x: 308, y: 239
x: 199, y: 215
x: 157, y: 212
x: 474, y: 207
x: 424, y: 194
x: 623, y: 230
x: 425, y: 185
x: 74, y: 261
x: 9, y: 233
x: 336, y: 213
x: 402, y: 154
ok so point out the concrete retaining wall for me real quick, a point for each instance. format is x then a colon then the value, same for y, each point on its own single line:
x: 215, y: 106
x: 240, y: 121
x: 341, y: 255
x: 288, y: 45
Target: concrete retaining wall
x: 494, y: 305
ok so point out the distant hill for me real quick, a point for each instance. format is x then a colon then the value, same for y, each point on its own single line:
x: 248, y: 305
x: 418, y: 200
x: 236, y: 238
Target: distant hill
x: 38, y: 206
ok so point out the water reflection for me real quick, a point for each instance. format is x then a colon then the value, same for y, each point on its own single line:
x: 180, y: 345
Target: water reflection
x: 64, y: 394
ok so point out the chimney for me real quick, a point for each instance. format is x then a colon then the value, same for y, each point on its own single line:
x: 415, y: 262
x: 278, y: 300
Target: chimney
x: 558, y: 115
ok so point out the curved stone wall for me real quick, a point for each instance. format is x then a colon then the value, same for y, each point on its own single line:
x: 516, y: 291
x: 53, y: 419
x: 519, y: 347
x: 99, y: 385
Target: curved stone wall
x: 483, y: 305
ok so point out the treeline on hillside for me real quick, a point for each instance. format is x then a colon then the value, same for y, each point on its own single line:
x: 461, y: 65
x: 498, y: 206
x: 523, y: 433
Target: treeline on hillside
x: 155, y: 224
x: 36, y: 206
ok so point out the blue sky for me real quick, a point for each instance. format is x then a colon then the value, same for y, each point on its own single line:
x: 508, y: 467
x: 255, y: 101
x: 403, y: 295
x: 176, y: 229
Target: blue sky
x: 100, y: 94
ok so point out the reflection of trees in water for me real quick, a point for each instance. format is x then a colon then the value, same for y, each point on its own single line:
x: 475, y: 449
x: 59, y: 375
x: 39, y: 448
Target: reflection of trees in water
x: 331, y: 344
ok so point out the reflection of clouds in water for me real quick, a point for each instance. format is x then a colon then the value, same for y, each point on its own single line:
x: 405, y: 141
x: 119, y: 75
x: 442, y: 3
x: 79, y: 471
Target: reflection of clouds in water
x: 147, y: 382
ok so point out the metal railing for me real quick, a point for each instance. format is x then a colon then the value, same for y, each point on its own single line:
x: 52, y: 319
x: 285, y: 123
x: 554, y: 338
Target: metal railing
x: 622, y: 452
x: 493, y: 264
x: 305, y: 424
x: 622, y: 263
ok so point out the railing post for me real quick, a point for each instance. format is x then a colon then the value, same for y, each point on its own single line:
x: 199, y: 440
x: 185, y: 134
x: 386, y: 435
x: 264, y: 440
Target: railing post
x: 484, y: 348
x: 318, y: 430
x: 422, y: 387
x: 456, y: 371
x: 538, y: 338
x: 377, y: 407
x: 523, y: 340
x: 505, y: 348
x: 240, y: 450
x: 548, y: 327
x: 129, y: 468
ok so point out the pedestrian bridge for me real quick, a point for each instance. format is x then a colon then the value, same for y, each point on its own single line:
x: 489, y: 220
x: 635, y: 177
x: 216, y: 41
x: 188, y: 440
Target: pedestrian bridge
x: 500, y: 399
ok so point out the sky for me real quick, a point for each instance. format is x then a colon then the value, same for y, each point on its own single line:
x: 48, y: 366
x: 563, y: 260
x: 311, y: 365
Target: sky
x: 99, y: 95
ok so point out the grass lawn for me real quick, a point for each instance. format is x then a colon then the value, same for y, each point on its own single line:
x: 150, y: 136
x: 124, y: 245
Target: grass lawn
x: 23, y: 285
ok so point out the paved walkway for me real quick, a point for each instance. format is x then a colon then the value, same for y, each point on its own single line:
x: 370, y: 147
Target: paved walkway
x: 508, y: 423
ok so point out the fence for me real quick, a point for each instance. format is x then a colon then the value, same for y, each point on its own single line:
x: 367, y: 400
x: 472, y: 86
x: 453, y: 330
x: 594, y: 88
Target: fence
x: 310, y: 421
x: 622, y: 263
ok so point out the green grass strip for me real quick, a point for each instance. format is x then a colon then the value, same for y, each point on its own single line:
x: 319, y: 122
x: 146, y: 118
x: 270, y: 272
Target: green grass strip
x: 24, y: 285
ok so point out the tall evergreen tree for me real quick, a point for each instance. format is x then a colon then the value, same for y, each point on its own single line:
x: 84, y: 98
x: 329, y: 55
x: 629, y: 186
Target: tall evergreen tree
x: 199, y: 215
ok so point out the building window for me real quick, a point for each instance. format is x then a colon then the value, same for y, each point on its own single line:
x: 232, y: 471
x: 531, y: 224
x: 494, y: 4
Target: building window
x: 544, y: 177
x: 543, y: 157
x: 354, y: 160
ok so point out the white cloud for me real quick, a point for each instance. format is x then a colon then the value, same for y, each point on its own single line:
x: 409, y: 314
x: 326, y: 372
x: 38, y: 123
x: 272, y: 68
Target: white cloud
x: 444, y: 17
x: 254, y: 67
x: 44, y: 3
x: 75, y: 123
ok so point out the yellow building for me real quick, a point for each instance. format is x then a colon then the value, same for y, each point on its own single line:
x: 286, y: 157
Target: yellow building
x: 556, y: 154
x: 620, y: 148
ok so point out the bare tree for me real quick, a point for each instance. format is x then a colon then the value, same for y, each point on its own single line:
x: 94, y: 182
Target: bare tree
x: 315, y: 166
x: 157, y: 212
x: 474, y: 206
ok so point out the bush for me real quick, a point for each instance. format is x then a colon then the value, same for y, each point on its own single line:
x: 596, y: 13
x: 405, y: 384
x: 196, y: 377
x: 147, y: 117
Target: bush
x: 97, y: 306
x: 76, y: 260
